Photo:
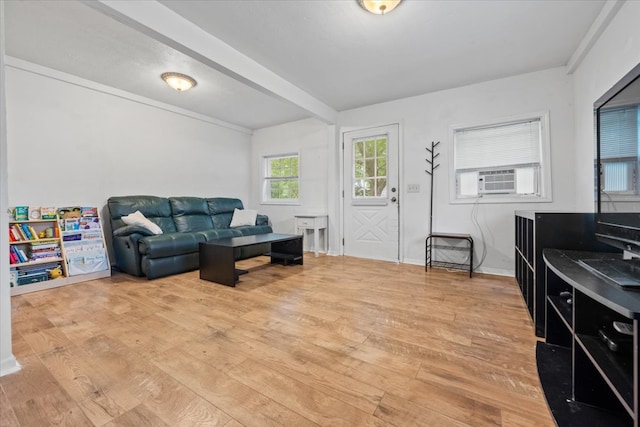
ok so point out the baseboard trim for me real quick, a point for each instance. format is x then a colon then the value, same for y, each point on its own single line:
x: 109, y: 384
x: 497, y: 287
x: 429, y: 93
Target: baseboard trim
x: 9, y: 365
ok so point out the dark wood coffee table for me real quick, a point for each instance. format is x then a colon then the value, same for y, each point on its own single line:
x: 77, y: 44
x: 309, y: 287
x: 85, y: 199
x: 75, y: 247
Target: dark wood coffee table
x: 217, y: 260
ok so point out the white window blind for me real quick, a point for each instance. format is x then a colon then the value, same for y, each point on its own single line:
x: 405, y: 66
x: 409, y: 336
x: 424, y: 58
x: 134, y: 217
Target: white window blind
x: 495, y: 146
x: 619, y: 133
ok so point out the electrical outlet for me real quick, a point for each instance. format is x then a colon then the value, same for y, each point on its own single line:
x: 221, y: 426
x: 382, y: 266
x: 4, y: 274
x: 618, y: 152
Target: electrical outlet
x: 413, y: 188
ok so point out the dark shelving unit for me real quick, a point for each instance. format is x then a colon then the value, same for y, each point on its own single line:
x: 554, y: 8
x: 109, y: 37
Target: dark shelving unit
x: 537, y: 230
x: 585, y: 381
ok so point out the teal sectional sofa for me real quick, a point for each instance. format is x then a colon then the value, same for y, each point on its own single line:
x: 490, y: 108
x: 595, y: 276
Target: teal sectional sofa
x: 185, y: 222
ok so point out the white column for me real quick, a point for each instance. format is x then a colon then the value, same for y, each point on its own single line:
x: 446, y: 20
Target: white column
x: 8, y: 363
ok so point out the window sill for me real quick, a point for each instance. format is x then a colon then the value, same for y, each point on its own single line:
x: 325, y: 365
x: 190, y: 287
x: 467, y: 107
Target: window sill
x: 500, y: 199
x: 281, y: 202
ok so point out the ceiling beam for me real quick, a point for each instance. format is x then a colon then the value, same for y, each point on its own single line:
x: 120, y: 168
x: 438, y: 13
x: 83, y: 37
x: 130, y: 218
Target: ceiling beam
x: 609, y: 10
x: 166, y: 26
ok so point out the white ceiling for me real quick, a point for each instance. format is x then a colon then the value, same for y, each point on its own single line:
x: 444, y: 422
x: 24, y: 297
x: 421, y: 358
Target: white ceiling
x: 332, y: 54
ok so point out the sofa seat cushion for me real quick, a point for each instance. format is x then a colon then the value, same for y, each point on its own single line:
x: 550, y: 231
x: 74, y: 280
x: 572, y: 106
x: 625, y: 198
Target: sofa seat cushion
x: 170, y: 244
x: 223, y: 233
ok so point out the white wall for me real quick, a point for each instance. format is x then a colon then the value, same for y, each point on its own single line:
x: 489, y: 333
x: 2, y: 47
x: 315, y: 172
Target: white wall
x: 73, y: 145
x: 615, y: 53
x: 428, y: 118
x: 310, y: 138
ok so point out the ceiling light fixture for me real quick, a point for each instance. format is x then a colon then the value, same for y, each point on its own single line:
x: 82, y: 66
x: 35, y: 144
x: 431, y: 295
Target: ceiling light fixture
x: 379, y: 7
x: 179, y: 82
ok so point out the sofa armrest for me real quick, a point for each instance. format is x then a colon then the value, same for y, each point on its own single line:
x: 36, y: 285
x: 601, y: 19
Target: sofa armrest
x: 262, y: 220
x: 127, y: 255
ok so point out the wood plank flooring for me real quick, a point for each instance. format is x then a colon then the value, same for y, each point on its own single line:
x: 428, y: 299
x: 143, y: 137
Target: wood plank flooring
x: 339, y: 341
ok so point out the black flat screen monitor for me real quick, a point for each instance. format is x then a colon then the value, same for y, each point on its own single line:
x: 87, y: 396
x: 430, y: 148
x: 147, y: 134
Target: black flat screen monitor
x: 617, y: 117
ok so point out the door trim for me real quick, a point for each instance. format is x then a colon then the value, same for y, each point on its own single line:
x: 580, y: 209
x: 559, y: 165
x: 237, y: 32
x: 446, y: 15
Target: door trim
x: 401, y: 192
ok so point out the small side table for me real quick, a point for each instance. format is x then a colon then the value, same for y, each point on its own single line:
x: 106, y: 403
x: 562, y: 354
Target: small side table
x: 315, y: 223
x: 430, y: 246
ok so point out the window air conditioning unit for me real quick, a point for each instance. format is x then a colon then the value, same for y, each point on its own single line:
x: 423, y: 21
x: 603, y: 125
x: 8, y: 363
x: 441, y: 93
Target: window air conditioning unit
x: 501, y: 181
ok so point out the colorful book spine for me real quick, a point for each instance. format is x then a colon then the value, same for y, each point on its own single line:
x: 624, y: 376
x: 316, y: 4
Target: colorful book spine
x: 23, y: 255
x: 26, y: 231
x: 18, y: 255
x: 16, y: 235
x: 18, y: 230
x: 34, y: 233
x: 13, y: 259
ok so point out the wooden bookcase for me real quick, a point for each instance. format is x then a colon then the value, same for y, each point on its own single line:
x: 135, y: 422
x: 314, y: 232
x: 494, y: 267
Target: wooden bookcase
x: 537, y: 230
x: 31, y: 275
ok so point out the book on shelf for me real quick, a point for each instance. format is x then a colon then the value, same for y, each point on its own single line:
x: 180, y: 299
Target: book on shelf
x: 87, y: 223
x: 89, y: 211
x: 15, y: 233
x: 41, y: 251
x: 19, y: 254
x: 21, y: 213
x: 23, y: 255
x: 71, y: 224
x: 47, y: 212
x: 13, y: 259
x: 68, y: 213
x: 92, y: 235
x: 44, y: 245
x: 70, y: 237
x: 44, y: 256
x: 18, y: 229
x: 11, y: 236
x: 33, y: 232
x: 26, y: 231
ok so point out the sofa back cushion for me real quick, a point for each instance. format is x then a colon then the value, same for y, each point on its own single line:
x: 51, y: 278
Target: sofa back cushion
x: 156, y: 209
x: 221, y: 210
x: 190, y: 214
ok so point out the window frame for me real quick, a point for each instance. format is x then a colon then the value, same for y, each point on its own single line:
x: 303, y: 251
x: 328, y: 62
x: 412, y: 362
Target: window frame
x: 544, y: 171
x: 632, y: 181
x: 264, y: 198
x: 382, y: 199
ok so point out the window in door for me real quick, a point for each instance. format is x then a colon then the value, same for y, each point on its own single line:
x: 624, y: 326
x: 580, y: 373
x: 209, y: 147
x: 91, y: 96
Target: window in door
x: 370, y: 168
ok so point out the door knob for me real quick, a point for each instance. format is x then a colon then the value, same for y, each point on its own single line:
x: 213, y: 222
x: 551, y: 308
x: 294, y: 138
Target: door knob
x: 393, y: 189
x: 393, y: 199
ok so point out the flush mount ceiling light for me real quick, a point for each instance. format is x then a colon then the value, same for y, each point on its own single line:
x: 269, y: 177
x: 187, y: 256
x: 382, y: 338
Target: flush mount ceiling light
x: 379, y: 7
x: 179, y: 82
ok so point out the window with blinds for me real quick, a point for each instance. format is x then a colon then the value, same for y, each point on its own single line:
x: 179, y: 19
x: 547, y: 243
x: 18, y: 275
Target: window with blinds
x: 619, y: 149
x: 500, y: 160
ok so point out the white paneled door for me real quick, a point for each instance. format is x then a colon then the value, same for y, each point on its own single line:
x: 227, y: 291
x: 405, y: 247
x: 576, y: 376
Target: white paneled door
x: 371, y: 193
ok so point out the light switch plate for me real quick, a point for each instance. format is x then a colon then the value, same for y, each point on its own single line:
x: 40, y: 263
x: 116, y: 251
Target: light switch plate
x: 413, y: 188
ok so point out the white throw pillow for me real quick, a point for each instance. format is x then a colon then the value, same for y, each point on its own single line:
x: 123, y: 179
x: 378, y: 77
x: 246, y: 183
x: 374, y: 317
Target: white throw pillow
x: 243, y: 217
x: 137, y: 218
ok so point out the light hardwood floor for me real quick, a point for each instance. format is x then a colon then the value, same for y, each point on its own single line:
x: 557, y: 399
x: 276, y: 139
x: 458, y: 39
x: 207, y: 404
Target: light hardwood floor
x: 338, y: 341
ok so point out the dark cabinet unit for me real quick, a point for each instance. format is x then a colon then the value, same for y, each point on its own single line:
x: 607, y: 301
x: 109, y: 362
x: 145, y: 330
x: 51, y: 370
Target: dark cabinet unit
x: 589, y: 364
x: 536, y: 230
